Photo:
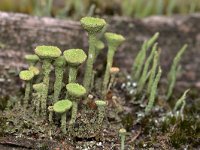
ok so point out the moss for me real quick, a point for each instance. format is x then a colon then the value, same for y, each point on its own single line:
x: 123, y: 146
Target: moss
x: 75, y: 90
x: 47, y: 52
x: 92, y: 25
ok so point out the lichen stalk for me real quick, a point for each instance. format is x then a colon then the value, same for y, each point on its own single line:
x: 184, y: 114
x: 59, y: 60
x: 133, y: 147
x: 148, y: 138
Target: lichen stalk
x: 72, y: 74
x: 63, y: 123
x: 110, y: 55
x: 73, y: 115
x: 58, y: 82
x: 101, y: 115
x: 122, y: 134
x: 46, y: 71
x: 27, y: 93
x: 90, y: 62
x: 153, y: 92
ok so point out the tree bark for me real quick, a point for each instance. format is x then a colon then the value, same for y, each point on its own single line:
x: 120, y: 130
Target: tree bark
x: 20, y: 34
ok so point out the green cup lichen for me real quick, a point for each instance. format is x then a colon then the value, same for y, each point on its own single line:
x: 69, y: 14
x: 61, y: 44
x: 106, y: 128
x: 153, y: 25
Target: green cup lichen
x: 122, y: 134
x: 74, y: 58
x: 27, y: 76
x: 113, y: 72
x: 101, y: 112
x: 75, y: 92
x: 93, y: 26
x: 59, y: 64
x: 62, y: 107
x: 31, y: 59
x: 46, y: 54
x: 113, y: 40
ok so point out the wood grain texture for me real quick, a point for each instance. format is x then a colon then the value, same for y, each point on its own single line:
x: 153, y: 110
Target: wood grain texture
x: 20, y: 34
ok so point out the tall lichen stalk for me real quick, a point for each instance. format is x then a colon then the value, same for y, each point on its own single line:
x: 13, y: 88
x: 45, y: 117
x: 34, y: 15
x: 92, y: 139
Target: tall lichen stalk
x: 139, y: 60
x: 93, y: 26
x: 113, y: 40
x: 153, y: 92
x: 173, y: 71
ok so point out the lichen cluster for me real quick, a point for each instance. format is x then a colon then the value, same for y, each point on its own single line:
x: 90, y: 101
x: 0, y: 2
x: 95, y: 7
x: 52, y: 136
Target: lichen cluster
x: 65, y: 97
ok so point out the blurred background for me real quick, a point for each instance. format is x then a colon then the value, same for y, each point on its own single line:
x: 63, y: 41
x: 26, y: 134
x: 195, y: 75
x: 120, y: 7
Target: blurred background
x: 77, y: 8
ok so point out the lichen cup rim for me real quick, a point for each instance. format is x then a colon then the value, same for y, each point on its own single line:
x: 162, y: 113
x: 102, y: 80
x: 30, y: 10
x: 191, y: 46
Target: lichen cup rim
x: 75, y: 90
x: 47, y: 52
x: 26, y: 75
x: 31, y: 57
x: 92, y: 24
x: 62, y: 106
x: 114, y: 37
x: 74, y: 57
x: 38, y: 86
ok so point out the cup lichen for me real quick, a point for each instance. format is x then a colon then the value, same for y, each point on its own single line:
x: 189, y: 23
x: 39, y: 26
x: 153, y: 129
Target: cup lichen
x: 27, y: 76
x: 75, y: 92
x: 46, y: 54
x: 113, y: 40
x: 62, y: 107
x: 93, y: 26
x: 74, y: 58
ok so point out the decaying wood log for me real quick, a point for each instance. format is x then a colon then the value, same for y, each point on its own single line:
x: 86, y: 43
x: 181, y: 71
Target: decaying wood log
x: 20, y: 34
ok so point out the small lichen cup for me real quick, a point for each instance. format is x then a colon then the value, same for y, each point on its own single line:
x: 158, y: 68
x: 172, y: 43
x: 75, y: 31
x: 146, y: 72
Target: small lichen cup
x: 75, y: 92
x: 47, y: 54
x: 113, y: 72
x: 101, y: 104
x: 122, y: 134
x: 27, y: 76
x: 62, y: 107
x: 93, y: 26
x: 74, y: 58
x: 113, y: 40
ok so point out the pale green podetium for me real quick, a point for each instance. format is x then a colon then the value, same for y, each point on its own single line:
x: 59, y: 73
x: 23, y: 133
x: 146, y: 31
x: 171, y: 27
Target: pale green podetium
x: 101, y: 112
x: 75, y: 92
x: 32, y: 59
x: 93, y: 26
x: 74, y: 58
x: 27, y: 76
x: 113, y: 40
x: 35, y: 70
x: 62, y: 107
x: 47, y: 54
x: 59, y: 64
x: 122, y: 134
x: 50, y: 109
x: 153, y: 92
x: 99, y: 46
x: 39, y: 101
